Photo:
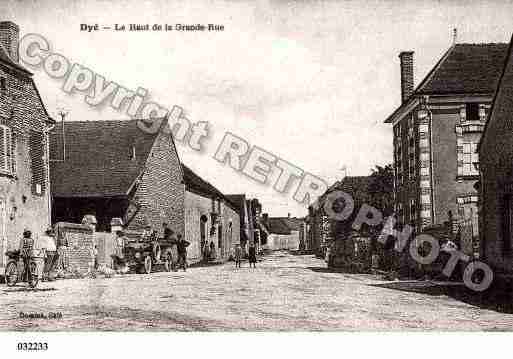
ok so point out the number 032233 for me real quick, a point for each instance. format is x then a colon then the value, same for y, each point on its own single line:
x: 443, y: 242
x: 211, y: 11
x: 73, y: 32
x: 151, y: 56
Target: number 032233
x: 32, y: 346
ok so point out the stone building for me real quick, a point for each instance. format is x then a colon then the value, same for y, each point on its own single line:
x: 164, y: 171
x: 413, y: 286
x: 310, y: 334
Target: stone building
x: 436, y: 130
x: 496, y: 185
x: 24, y: 126
x: 210, y: 217
x: 113, y: 169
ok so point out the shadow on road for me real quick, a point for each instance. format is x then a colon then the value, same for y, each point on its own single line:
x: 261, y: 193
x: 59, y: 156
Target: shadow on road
x: 428, y: 288
x: 491, y: 299
x: 27, y: 289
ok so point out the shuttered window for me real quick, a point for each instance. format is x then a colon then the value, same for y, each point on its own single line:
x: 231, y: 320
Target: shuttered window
x: 37, y: 165
x: 7, y: 150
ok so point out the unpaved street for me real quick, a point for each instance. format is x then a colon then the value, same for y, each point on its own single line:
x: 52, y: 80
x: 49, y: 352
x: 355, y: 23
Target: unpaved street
x: 285, y: 292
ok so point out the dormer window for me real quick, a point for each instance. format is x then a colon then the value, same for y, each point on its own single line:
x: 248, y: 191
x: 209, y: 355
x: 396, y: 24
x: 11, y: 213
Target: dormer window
x: 472, y: 111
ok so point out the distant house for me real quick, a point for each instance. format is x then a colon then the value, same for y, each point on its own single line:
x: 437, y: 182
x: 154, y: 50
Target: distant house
x: 496, y: 185
x: 436, y: 130
x: 114, y: 169
x: 283, y: 232
x: 210, y: 217
x: 24, y: 125
x: 321, y: 230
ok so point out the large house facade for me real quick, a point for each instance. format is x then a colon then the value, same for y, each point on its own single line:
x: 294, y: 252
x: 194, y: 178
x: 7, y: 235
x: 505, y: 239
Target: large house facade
x: 24, y: 126
x: 436, y: 131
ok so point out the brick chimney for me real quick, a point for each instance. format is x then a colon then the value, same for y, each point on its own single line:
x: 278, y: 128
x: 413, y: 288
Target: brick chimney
x: 406, y: 58
x: 10, y: 38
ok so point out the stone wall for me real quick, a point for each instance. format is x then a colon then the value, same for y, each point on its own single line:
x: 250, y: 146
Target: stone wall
x: 79, y: 250
x: 161, y: 191
x: 22, y: 111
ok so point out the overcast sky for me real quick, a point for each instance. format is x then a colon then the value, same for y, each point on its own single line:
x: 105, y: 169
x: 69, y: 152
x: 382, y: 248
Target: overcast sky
x: 310, y: 81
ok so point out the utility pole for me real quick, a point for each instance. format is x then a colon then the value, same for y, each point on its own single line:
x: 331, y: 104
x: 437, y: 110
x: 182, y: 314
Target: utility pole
x: 63, y: 113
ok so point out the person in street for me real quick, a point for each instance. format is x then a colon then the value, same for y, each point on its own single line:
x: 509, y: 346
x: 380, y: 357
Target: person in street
x: 146, y: 235
x: 182, y: 245
x: 26, y: 251
x: 238, y: 255
x: 212, y: 251
x: 252, y: 255
x: 170, y: 238
x: 206, y: 252
x: 119, y: 256
x: 50, y: 250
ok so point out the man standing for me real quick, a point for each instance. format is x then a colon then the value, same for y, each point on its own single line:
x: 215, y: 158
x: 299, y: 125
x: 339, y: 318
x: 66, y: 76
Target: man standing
x: 26, y: 249
x: 182, y: 245
x: 119, y: 256
x: 50, y: 248
x: 238, y: 255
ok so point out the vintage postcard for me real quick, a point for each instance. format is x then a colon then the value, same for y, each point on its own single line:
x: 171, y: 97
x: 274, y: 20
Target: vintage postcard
x: 267, y: 166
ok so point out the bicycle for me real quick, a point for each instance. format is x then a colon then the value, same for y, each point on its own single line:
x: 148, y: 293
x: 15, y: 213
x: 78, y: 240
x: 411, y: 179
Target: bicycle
x: 13, y: 274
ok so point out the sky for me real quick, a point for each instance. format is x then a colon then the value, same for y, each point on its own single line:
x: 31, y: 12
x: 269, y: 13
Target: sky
x: 308, y: 81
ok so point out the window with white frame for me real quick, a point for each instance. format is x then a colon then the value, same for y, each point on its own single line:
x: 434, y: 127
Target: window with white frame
x: 7, y: 150
x: 470, y: 157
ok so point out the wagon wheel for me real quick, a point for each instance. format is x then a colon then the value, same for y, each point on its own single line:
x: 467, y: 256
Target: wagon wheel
x: 11, y: 274
x: 34, y: 277
x: 147, y: 265
x: 168, y: 262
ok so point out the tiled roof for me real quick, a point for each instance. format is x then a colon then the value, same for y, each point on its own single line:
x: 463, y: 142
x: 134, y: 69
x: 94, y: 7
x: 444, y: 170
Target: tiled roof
x: 277, y: 226
x: 98, y: 158
x: 238, y: 200
x: 195, y: 183
x: 464, y: 69
x: 467, y: 68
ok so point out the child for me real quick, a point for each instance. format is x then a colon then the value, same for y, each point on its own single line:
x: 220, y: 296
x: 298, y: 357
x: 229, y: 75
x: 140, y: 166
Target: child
x: 238, y: 255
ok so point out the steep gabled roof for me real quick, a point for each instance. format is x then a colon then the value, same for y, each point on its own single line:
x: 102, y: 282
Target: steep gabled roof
x: 99, y: 157
x: 468, y: 68
x: 463, y: 69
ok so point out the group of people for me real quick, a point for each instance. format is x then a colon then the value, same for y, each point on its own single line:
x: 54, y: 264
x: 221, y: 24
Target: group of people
x: 209, y: 251
x: 178, y: 248
x: 238, y: 253
x: 47, y: 249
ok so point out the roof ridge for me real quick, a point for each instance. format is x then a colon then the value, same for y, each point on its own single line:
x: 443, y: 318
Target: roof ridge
x: 481, y: 43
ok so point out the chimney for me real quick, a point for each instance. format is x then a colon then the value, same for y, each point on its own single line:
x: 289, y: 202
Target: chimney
x: 10, y: 38
x: 406, y: 74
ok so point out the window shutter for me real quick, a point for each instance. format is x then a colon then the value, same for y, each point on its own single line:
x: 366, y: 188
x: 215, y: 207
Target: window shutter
x: 8, y: 150
x: 2, y: 148
x: 37, y: 167
x: 13, y: 152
